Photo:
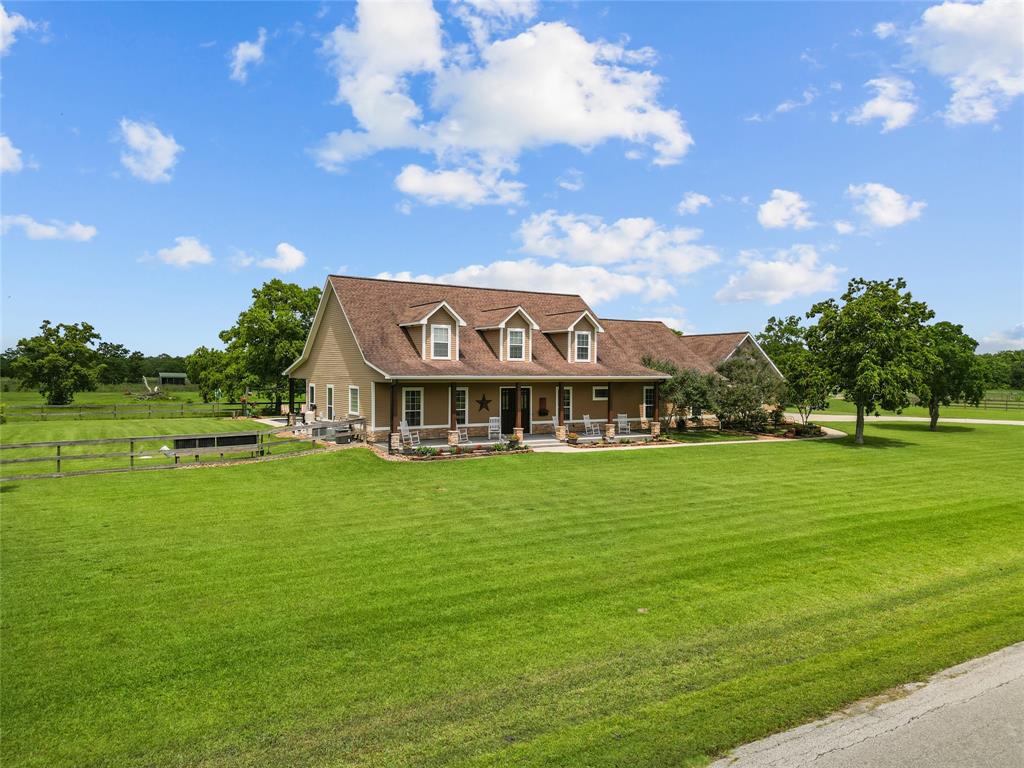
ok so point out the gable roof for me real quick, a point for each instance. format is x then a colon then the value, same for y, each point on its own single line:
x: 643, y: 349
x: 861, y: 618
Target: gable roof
x: 375, y: 309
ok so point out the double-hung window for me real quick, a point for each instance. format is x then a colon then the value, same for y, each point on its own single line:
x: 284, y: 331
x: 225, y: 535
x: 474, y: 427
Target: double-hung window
x: 412, y: 406
x: 441, y: 342
x: 516, y: 344
x: 582, y: 346
x: 649, y: 402
x: 353, y: 399
x: 461, y: 405
x: 311, y: 398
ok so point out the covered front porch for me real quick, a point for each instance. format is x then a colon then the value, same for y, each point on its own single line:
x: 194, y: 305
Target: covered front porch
x: 537, y: 411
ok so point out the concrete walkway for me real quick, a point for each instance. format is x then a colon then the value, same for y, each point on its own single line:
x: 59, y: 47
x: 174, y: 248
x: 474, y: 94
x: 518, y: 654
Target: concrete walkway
x: 825, y: 416
x: 968, y: 716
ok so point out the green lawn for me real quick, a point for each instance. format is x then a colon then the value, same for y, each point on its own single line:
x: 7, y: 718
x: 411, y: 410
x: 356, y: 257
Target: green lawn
x: 705, y: 436
x: 626, y: 608
x: 107, y: 395
x: 952, y: 412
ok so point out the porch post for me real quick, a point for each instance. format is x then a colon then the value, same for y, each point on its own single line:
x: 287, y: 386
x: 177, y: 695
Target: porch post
x: 453, y: 431
x: 394, y: 438
x: 656, y: 421
x: 518, y: 431
x: 291, y: 400
x: 609, y: 426
x: 611, y: 413
x: 560, y: 431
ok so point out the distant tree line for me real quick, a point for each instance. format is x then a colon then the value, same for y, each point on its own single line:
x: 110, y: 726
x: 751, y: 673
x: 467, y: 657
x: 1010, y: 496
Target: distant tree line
x: 66, y: 358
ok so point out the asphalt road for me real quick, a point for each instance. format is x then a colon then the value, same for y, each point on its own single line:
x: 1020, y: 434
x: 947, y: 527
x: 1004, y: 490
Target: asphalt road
x: 968, y: 716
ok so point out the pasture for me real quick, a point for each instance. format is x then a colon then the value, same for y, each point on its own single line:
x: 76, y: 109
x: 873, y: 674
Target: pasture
x: 1006, y: 407
x: 641, y: 608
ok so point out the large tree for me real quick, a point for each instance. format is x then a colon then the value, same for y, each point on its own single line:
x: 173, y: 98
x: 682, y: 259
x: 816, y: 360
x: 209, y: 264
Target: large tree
x: 687, y: 390
x: 269, y: 336
x: 208, y: 369
x: 808, y: 383
x: 114, y: 358
x: 872, y: 344
x: 952, y: 370
x: 59, y: 362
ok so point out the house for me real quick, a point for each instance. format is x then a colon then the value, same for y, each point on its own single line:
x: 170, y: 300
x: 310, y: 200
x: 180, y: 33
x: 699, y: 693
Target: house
x: 441, y: 356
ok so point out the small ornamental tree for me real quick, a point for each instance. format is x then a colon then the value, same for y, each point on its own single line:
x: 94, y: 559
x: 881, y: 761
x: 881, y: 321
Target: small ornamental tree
x: 746, y: 386
x: 208, y: 370
x: 952, y: 372
x: 872, y: 344
x: 687, y: 390
x: 808, y: 383
x: 59, y: 362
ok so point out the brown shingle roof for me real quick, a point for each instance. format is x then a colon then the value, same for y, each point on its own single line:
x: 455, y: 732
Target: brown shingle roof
x: 376, y: 307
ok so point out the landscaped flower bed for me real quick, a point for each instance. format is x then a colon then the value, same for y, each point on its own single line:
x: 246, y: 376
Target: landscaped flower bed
x: 430, y: 453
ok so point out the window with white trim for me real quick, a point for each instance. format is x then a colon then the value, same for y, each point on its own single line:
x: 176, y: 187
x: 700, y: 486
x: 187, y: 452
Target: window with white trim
x: 353, y: 399
x: 461, y: 405
x: 583, y: 346
x: 566, y: 405
x: 599, y: 393
x: 516, y: 344
x: 311, y: 397
x: 648, y: 402
x: 412, y: 406
x: 441, y: 342
x: 330, y: 402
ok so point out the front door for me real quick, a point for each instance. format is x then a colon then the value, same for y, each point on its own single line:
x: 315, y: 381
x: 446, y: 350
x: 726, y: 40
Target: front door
x: 508, y: 410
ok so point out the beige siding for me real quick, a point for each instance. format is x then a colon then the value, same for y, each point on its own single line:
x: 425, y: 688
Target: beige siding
x: 334, y: 359
x: 517, y: 321
x: 442, y: 317
x: 584, y: 325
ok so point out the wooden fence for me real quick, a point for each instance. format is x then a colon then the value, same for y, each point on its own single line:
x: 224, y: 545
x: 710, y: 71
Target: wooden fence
x: 991, y: 403
x: 140, y: 410
x: 163, y: 452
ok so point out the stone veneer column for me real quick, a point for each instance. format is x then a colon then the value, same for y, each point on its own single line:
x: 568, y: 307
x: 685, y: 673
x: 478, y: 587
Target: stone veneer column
x: 396, y: 441
x: 609, y: 430
x: 561, y: 432
x: 518, y: 432
x: 453, y: 437
x: 655, y: 428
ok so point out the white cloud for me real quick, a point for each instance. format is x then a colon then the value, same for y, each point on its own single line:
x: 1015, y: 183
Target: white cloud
x: 240, y: 259
x: 595, y: 284
x: 792, y: 272
x: 1000, y: 340
x: 483, y: 18
x: 674, y: 316
x: 489, y: 106
x: 186, y: 252
x: 54, y: 230
x: 636, y: 245
x: 247, y: 54
x: 149, y: 155
x: 11, y: 25
x: 977, y: 48
x: 894, y: 103
x: 809, y: 95
x: 843, y: 227
x: 884, y: 29
x: 692, y: 202
x: 288, y: 259
x: 572, y: 180
x: 10, y: 156
x: 884, y: 206
x: 458, y: 187
x: 785, y: 209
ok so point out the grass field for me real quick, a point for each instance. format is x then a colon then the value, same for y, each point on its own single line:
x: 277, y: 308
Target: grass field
x: 106, y: 395
x: 950, y: 412
x: 628, y: 608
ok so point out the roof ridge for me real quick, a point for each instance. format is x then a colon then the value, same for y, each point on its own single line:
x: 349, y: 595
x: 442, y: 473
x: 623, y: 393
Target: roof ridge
x: 453, y: 285
x: 720, y: 333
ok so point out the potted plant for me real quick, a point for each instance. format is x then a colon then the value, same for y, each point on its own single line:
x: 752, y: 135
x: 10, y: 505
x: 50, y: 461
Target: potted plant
x: 572, y: 438
x: 513, y: 442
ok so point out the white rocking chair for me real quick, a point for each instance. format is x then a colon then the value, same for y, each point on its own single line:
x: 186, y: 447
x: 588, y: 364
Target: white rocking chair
x: 494, y: 428
x: 622, y: 425
x: 410, y: 439
x: 590, y: 429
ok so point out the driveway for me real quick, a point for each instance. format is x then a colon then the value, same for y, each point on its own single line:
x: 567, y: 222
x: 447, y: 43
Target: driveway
x: 968, y: 716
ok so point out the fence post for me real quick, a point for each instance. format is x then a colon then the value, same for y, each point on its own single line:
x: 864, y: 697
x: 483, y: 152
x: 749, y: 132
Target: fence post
x: 151, y: 410
x: 131, y: 454
x: 115, y: 410
x: 58, y: 459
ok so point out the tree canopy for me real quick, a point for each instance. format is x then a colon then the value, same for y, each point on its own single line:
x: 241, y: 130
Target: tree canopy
x: 952, y: 371
x: 269, y: 335
x: 872, y: 344
x: 808, y: 383
x: 58, y: 362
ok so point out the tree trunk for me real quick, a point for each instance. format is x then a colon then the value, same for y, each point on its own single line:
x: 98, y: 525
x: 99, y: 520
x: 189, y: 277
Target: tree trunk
x: 933, y: 412
x: 859, y: 435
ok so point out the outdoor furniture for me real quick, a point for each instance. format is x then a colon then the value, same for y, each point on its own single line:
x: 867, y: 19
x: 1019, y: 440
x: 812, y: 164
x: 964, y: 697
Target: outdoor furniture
x: 494, y: 428
x: 590, y: 429
x: 410, y: 439
x: 622, y: 425
x: 463, y: 434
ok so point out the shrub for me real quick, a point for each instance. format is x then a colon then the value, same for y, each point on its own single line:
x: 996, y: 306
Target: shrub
x: 427, y: 450
x: 499, y: 447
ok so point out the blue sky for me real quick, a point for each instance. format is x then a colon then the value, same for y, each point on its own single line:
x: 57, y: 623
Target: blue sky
x: 709, y: 164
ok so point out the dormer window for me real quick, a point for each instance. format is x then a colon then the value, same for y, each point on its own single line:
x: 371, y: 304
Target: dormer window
x: 583, y: 346
x: 441, y: 342
x: 516, y: 344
